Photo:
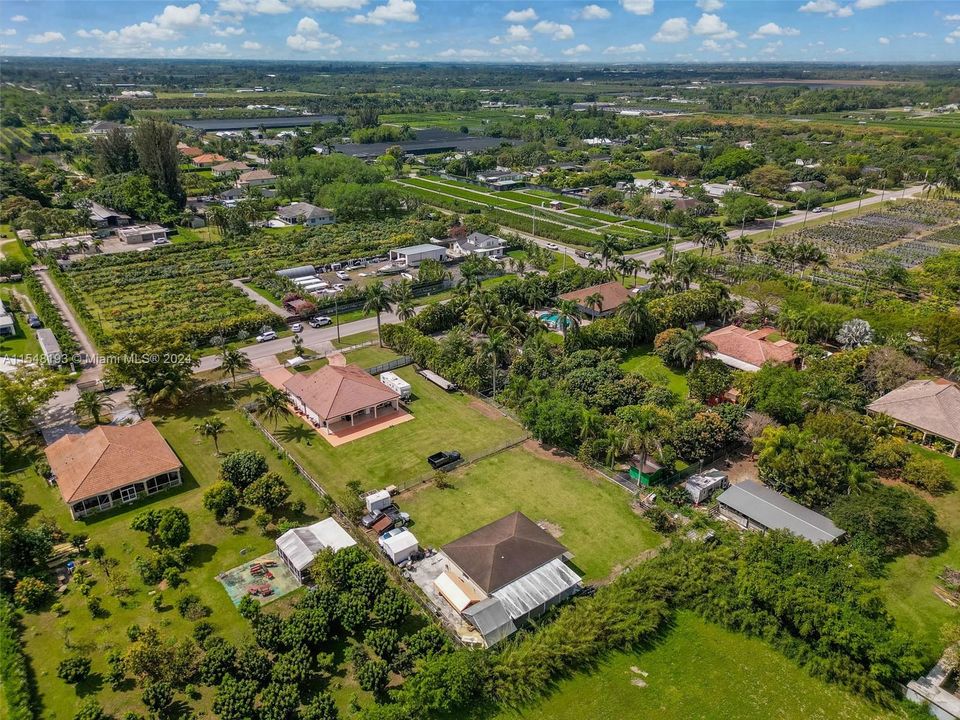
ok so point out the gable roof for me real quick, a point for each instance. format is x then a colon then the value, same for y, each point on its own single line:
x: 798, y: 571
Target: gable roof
x: 209, y: 158
x: 332, y: 391
x: 230, y: 166
x: 777, y: 512
x: 751, y: 346
x: 613, y: 293
x: 256, y: 175
x: 301, y: 544
x: 109, y: 457
x: 506, y: 549
x: 931, y: 405
x: 188, y: 150
x: 306, y: 211
x: 482, y: 240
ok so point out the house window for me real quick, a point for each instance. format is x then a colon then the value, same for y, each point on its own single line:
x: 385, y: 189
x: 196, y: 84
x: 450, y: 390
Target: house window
x: 128, y: 494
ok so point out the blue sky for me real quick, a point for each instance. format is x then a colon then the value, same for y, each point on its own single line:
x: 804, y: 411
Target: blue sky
x: 476, y: 31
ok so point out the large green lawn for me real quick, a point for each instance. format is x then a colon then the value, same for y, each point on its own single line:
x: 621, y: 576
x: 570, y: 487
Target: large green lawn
x: 643, y: 360
x: 910, y: 580
x: 699, y: 671
x: 24, y: 342
x: 397, y: 455
x: 48, y: 639
x: 592, y: 513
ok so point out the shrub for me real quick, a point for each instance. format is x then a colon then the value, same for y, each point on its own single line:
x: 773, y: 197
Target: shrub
x: 894, y: 520
x: 30, y: 593
x: 190, y: 607
x: 220, y: 498
x: 243, y: 467
x: 90, y: 710
x: 926, y: 473
x: 372, y: 675
x: 14, y: 675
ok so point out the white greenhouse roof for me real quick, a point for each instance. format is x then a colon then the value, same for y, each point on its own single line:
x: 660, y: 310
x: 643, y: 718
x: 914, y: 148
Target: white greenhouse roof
x: 301, y: 545
x: 537, y: 588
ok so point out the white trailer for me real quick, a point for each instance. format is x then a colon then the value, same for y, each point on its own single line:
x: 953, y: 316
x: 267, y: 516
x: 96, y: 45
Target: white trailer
x: 397, y: 384
x: 378, y: 500
x: 400, y: 547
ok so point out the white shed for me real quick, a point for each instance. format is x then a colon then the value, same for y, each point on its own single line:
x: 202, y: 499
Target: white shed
x: 299, y: 546
x: 396, y: 383
x: 400, y: 547
x: 378, y: 500
x: 415, y: 254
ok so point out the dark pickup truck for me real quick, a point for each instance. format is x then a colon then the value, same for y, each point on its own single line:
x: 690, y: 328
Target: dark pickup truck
x: 443, y: 459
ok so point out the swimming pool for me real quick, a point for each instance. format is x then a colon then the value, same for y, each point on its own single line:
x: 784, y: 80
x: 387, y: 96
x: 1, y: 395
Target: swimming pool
x: 549, y: 318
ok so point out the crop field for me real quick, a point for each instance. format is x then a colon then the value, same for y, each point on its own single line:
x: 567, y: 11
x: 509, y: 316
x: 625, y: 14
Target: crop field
x: 551, y: 196
x: 473, y: 119
x: 14, y: 139
x: 185, y: 287
x: 641, y: 225
x: 586, y: 212
x: 525, y: 197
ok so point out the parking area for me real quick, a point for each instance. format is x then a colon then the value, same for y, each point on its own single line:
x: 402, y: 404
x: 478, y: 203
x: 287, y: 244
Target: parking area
x: 423, y: 573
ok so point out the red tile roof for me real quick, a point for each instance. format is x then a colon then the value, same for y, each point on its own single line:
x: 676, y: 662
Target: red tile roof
x: 109, y: 457
x: 208, y: 159
x: 332, y: 392
x: 751, y: 346
x: 614, y: 295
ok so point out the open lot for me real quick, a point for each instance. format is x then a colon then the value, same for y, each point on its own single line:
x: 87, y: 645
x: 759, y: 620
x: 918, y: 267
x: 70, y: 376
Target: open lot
x: 699, y: 671
x: 590, y: 514
x: 398, y: 454
x: 910, y: 580
x: 49, y: 639
x: 643, y: 360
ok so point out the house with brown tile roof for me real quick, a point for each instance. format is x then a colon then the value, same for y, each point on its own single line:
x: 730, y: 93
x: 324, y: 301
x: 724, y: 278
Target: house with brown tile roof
x: 188, y: 150
x: 112, y: 465
x: 336, y: 397
x: 930, y: 406
x: 229, y: 167
x: 744, y: 349
x: 256, y: 177
x: 612, y: 295
x: 208, y: 160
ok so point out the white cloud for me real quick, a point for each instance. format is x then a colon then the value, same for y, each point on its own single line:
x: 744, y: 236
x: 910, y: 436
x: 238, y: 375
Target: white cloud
x: 771, y: 29
x: 521, y: 16
x: 673, y: 30
x: 387, y: 47
x: 251, y: 45
x: 18, y: 18
x: 710, y: 5
x: 393, y: 11
x: 558, y: 31
x: 412, y: 44
x: 713, y: 26
x: 46, y: 37
x: 771, y: 48
x: 713, y: 46
x: 577, y: 50
x: 846, y: 11
x: 952, y: 18
x: 593, y: 12
x: 518, y: 33
x: 869, y: 4
x: 310, y: 38
x: 463, y: 54
x: 949, y: 40
x: 521, y: 53
x: 254, y: 7
x: 883, y: 40
x: 820, y: 6
x: 206, y: 49
x: 917, y: 34
x: 176, y: 17
x: 634, y: 49
x: 229, y: 31
x: 8, y: 32
x: 333, y: 5
x: 638, y: 7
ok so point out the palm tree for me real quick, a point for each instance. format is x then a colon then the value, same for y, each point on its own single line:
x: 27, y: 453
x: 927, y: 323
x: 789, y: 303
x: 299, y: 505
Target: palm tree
x: 686, y: 269
x: 481, y: 313
x: 636, y: 314
x: 742, y: 247
x: 377, y: 300
x: 568, y: 316
x: 591, y: 422
x: 213, y: 429
x: 495, y: 349
x: 92, y: 404
x: 709, y: 235
x: 233, y: 361
x: 514, y: 322
x: 690, y: 345
x: 272, y: 404
x: 403, y: 306
x: 859, y: 479
x: 635, y: 266
x: 139, y: 402
x: 595, y: 301
x: 608, y: 249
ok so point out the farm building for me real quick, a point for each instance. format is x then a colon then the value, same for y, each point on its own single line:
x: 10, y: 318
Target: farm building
x: 931, y: 407
x: 299, y: 546
x: 112, y: 465
x: 136, y: 234
x: 753, y: 506
x: 297, y: 272
x: 103, y: 217
x: 505, y: 573
x: 413, y: 255
x: 49, y: 347
x: 611, y: 295
x: 748, y: 350
x: 336, y: 398
x: 399, y: 545
x: 7, y: 324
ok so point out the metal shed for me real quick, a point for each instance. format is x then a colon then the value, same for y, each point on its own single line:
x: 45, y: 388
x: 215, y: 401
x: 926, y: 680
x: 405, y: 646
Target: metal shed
x: 755, y: 506
x: 299, y: 546
x: 400, y: 547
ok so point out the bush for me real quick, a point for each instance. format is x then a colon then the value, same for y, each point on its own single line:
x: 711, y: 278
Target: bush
x: 243, y: 467
x: 14, y: 675
x: 190, y: 607
x: 30, y: 593
x: 90, y: 710
x: 894, y: 520
x: 927, y: 473
x: 220, y: 498
x: 372, y: 676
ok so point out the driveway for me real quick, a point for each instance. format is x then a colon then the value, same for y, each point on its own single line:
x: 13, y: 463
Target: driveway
x: 92, y: 369
x: 260, y: 299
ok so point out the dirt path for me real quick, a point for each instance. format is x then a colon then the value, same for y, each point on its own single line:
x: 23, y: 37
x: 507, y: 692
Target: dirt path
x: 260, y: 299
x: 93, y: 370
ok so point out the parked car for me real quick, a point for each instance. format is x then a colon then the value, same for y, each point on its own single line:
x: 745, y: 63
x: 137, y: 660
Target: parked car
x: 390, y: 511
x: 33, y: 321
x: 161, y: 241
x: 552, y: 246
x: 264, y: 337
x: 297, y: 327
x: 818, y: 210
x: 343, y: 275
x: 443, y: 459
x: 319, y: 321
x: 393, y: 532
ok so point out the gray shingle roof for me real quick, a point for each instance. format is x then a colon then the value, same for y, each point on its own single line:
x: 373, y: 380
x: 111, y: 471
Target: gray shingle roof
x: 931, y: 405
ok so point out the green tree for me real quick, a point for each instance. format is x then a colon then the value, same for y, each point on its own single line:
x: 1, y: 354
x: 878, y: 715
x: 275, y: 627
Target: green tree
x: 273, y: 404
x: 73, y: 670
x: 114, y: 153
x: 708, y: 379
x: 233, y: 361
x: 156, y: 145
x: 268, y: 492
x: 377, y: 300
x: 220, y: 498
x: 242, y: 467
x: 234, y: 699
x: 887, y: 520
x: 212, y: 428
x: 92, y: 404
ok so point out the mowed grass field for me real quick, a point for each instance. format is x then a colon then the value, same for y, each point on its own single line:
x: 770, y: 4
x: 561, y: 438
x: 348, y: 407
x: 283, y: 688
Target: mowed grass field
x: 698, y: 671
x: 397, y: 455
x: 591, y: 514
x: 909, y: 581
x: 49, y: 639
x: 643, y: 360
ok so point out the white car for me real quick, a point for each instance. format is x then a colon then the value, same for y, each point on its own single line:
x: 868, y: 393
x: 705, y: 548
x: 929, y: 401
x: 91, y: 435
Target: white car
x: 320, y: 321
x: 161, y: 241
x: 818, y: 209
x: 297, y: 327
x: 268, y: 335
x: 343, y: 275
x: 552, y: 246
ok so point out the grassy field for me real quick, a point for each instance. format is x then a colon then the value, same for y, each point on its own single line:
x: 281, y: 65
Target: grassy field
x: 396, y: 455
x: 552, y: 196
x: 698, y: 671
x: 586, y: 212
x: 355, y: 339
x: 642, y: 360
x: 908, y: 586
x: 592, y: 513
x: 48, y: 639
x: 473, y: 119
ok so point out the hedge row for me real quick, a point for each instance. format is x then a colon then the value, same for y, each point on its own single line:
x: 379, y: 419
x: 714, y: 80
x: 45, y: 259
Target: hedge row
x: 17, y: 691
x: 49, y: 313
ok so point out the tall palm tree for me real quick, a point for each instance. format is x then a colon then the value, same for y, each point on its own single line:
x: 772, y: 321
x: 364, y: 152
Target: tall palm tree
x: 636, y: 314
x: 377, y: 300
x: 213, y: 429
x: 742, y: 248
x: 514, y: 322
x: 272, y: 404
x: 635, y: 267
x: 591, y: 422
x: 92, y: 404
x: 495, y: 349
x: 139, y: 402
x: 691, y: 345
x: 568, y: 316
x: 595, y: 301
x: 233, y: 361
x: 859, y: 479
x: 608, y: 249
x: 481, y: 313
x: 403, y: 301
x: 686, y: 270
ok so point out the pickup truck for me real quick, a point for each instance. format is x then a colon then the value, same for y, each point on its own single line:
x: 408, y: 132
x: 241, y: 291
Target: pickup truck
x: 391, y: 511
x: 443, y: 459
